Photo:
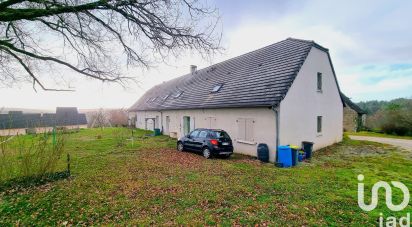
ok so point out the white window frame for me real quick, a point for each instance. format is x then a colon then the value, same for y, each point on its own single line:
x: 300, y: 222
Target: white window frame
x: 178, y: 94
x: 216, y: 88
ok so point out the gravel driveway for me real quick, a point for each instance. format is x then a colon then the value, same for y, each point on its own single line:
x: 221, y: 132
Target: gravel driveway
x: 403, y: 143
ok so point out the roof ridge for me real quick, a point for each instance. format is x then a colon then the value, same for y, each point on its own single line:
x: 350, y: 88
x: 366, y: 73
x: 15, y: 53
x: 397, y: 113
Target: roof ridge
x: 301, y: 40
x: 310, y: 42
x: 201, y: 70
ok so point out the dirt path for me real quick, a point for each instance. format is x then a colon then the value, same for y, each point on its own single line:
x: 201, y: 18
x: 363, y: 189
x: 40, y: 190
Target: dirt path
x: 403, y: 143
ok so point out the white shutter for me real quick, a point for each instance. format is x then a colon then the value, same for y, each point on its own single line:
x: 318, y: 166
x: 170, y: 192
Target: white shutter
x: 241, y: 129
x: 213, y: 122
x: 181, y: 126
x: 192, y: 123
x: 249, y: 125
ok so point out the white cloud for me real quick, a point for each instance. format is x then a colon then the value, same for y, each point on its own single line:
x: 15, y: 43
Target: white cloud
x: 357, y: 34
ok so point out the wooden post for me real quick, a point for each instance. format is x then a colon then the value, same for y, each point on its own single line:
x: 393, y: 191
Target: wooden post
x: 54, y: 136
x: 68, y: 164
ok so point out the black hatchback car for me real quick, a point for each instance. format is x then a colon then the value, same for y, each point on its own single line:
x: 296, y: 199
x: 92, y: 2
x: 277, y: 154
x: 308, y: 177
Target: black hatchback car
x: 210, y: 142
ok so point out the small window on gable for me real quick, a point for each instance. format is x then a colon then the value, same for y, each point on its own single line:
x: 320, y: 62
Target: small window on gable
x: 319, y: 124
x: 178, y: 94
x: 217, y: 88
x: 319, y: 81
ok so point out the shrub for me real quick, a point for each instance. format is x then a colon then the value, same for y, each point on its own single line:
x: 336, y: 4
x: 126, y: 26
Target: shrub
x: 394, y: 118
x: 27, y: 156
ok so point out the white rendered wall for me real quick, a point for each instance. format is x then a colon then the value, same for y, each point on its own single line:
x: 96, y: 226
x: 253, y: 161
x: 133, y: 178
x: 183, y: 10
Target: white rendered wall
x: 264, y: 130
x: 303, y: 103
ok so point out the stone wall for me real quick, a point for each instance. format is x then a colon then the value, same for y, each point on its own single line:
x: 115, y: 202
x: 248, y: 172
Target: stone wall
x: 350, y: 118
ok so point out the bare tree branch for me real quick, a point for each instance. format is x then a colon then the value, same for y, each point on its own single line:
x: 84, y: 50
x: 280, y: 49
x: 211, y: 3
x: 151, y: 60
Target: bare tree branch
x: 35, y: 80
x: 92, y: 32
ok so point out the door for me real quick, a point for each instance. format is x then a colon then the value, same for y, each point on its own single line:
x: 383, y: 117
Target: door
x: 200, y: 140
x: 186, y: 125
x: 191, y: 140
x: 157, y: 122
x: 167, y: 132
x: 150, y: 124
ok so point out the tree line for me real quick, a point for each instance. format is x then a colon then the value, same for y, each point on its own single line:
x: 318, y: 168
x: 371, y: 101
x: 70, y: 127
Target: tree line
x: 392, y: 117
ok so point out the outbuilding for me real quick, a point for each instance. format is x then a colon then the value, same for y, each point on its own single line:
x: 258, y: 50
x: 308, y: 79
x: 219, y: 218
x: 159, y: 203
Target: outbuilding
x: 353, y: 116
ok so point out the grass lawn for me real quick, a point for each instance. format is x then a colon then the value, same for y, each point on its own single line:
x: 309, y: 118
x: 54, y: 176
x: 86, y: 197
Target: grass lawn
x: 375, y: 134
x: 149, y: 182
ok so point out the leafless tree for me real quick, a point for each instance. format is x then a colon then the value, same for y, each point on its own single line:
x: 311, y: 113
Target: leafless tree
x: 118, y: 117
x: 94, y: 38
x: 99, y: 119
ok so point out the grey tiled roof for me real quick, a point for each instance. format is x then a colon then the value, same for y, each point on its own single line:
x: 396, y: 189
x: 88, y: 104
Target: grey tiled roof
x: 351, y: 104
x: 260, y: 78
x: 64, y: 116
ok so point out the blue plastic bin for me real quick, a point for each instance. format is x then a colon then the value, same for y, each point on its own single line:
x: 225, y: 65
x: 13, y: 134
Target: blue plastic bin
x: 285, y: 156
x: 295, y: 155
x: 301, y: 157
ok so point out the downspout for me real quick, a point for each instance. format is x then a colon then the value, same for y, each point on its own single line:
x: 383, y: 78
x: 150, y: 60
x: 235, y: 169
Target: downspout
x: 277, y: 111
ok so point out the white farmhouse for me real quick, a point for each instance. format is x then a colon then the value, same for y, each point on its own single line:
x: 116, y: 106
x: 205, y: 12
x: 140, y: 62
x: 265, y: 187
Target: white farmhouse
x: 281, y: 94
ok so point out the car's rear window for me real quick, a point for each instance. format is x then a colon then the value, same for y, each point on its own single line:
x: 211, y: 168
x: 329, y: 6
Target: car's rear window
x: 220, y: 134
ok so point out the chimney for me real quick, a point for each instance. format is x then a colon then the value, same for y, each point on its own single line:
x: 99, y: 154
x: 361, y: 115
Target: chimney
x: 193, y: 68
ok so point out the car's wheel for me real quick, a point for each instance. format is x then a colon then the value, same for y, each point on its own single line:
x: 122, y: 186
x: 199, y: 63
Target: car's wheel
x: 180, y: 146
x: 206, y: 153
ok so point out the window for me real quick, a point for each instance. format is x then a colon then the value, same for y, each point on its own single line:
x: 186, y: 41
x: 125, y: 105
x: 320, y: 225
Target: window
x: 178, y: 94
x: 220, y: 134
x: 151, y: 99
x: 194, y: 134
x: 319, y: 124
x: 245, y: 129
x: 319, y: 81
x: 217, y: 88
x: 203, y: 134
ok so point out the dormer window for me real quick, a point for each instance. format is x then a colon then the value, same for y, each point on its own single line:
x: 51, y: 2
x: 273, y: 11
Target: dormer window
x: 151, y: 99
x: 217, y: 88
x: 178, y: 94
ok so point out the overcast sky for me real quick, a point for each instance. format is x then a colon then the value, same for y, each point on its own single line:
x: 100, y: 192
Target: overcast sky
x: 370, y: 43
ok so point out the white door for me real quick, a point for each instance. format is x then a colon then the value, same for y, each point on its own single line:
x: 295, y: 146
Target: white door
x: 167, y: 126
x: 157, y: 122
x: 150, y: 125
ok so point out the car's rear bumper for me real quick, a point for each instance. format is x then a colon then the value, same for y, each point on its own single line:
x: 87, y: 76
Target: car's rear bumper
x: 223, y: 151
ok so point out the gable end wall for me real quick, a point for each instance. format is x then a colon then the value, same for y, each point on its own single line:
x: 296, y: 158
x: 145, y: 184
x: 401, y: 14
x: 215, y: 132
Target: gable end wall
x: 303, y: 103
